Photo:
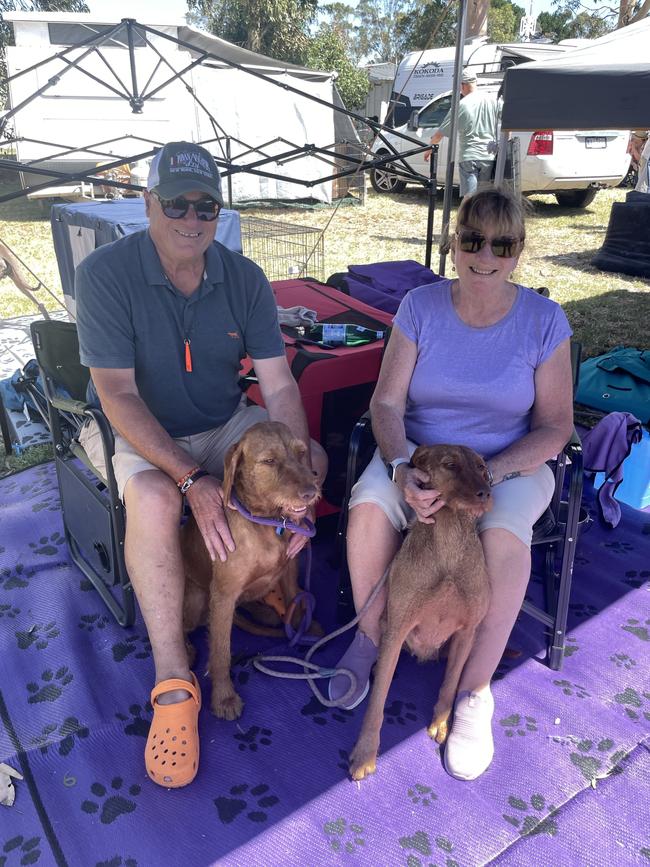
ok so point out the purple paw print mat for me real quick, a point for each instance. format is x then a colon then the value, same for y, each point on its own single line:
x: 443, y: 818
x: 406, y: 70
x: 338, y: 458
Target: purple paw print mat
x: 568, y: 785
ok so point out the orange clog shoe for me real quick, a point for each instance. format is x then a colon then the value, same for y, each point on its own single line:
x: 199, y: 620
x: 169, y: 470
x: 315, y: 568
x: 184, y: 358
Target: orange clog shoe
x: 172, y: 753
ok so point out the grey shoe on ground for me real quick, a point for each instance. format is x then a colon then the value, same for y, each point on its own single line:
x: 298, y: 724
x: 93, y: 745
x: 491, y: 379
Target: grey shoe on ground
x: 359, y: 658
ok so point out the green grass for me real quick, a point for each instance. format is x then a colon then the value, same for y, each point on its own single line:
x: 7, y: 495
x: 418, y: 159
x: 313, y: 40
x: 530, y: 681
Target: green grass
x: 604, y: 309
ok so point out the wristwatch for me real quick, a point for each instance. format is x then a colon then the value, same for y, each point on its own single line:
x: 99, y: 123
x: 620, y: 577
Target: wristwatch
x: 391, y: 466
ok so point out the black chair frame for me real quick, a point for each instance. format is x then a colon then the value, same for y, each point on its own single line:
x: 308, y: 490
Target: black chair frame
x: 93, y: 514
x: 557, y: 529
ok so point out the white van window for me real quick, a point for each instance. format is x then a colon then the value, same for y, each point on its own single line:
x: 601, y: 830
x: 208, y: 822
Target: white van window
x: 432, y: 115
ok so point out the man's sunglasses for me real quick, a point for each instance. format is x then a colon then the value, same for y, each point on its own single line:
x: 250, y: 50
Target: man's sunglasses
x: 205, y: 209
x: 470, y: 241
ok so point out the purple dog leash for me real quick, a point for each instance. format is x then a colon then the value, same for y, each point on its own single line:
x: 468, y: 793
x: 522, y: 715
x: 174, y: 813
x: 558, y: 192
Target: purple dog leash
x: 295, y: 636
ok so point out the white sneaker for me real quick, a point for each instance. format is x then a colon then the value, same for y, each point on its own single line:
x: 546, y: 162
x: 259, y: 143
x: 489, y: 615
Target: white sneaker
x: 470, y: 747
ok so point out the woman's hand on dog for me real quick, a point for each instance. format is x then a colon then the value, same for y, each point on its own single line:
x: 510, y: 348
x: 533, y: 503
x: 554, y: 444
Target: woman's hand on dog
x: 424, y: 501
x: 206, y: 501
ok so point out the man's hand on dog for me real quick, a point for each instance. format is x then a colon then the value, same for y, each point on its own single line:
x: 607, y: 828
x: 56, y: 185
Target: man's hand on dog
x: 206, y: 501
x: 424, y: 501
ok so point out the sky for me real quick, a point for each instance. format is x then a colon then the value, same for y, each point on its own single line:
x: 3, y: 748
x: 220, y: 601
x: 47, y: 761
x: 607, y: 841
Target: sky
x: 166, y: 9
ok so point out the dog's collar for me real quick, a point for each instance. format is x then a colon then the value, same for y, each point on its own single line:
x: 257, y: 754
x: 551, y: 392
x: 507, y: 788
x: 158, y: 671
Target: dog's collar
x: 280, y: 524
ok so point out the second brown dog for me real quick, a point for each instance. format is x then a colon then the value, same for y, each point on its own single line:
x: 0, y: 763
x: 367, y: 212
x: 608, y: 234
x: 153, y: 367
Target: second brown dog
x: 268, y: 470
x: 438, y: 589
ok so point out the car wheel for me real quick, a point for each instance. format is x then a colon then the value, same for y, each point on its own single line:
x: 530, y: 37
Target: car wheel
x: 384, y: 181
x: 576, y: 198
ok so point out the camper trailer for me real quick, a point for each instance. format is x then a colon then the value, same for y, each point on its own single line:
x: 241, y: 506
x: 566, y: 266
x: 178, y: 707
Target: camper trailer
x: 423, y: 75
x: 74, y: 106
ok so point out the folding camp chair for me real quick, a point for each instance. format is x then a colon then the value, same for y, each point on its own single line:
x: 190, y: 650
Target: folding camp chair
x: 93, y: 514
x: 556, y: 530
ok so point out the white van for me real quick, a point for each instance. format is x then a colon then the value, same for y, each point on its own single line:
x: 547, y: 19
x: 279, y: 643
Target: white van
x: 572, y: 165
x: 423, y: 75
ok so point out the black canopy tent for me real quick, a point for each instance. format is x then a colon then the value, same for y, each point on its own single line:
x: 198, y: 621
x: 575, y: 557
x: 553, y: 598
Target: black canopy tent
x: 603, y: 85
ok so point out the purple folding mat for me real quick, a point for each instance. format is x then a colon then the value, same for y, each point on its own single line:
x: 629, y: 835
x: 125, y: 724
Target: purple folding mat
x: 384, y: 284
x: 568, y: 785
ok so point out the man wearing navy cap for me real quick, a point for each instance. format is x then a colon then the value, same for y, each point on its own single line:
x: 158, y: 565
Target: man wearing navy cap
x: 165, y: 317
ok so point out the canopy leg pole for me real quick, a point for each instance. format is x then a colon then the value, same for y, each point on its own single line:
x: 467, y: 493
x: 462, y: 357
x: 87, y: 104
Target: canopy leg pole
x: 502, y: 150
x: 433, y: 172
x: 455, y: 99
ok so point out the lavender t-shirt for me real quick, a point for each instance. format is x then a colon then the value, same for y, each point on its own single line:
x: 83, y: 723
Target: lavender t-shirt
x: 475, y: 386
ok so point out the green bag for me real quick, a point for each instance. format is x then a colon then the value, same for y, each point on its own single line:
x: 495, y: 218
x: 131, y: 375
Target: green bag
x: 617, y: 382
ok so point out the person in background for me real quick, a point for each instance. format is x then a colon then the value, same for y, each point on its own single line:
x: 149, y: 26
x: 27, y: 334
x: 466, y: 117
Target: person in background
x: 483, y: 362
x: 165, y: 317
x: 478, y: 121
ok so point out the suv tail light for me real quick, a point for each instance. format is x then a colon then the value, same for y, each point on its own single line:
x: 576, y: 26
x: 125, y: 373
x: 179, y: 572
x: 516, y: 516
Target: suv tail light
x: 541, y: 143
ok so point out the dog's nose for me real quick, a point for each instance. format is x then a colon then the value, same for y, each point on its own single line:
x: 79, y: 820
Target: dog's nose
x: 308, y: 493
x: 483, y: 494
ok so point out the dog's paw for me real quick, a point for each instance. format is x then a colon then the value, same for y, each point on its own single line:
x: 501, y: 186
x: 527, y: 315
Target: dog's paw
x: 438, y: 731
x: 227, y: 707
x: 362, y: 763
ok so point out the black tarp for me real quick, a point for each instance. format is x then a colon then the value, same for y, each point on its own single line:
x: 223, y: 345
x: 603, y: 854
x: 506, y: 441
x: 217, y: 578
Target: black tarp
x: 603, y: 85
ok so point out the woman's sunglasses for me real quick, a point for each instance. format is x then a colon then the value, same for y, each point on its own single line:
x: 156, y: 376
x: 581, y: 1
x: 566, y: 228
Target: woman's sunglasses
x: 470, y: 241
x: 205, y: 209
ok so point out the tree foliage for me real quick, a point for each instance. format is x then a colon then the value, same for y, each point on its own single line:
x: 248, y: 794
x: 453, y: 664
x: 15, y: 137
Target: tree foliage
x: 7, y: 33
x: 276, y: 28
x: 327, y: 51
x: 503, y: 21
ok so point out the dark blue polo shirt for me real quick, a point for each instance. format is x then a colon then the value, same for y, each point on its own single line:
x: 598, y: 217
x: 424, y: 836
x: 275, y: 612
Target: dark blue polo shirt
x: 130, y: 316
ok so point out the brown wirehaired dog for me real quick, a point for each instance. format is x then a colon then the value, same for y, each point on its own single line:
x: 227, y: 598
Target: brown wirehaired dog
x: 438, y: 590
x: 268, y: 471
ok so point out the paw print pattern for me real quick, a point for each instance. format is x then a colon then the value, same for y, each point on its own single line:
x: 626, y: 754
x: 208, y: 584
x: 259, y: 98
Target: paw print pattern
x: 633, y: 703
x: 26, y: 850
x: 597, y: 766
x: 18, y: 577
x: 85, y: 585
x: 515, y: 724
x: 229, y: 808
x: 69, y: 729
x: 638, y: 628
x: 48, y: 546
x: 532, y: 823
x: 9, y: 611
x: 39, y: 635
x: 569, y: 688
x: 90, y: 622
x: 344, y: 837
x: 136, y: 724
x: 622, y: 660
x: 322, y: 715
x: 423, y: 796
x: 581, y: 611
x: 51, y: 687
x: 399, y: 712
x: 636, y: 579
x: 118, y: 861
x: 619, y: 547
x: 240, y: 668
x: 112, y: 805
x: 138, y: 645
x: 571, y: 646
x: 253, y: 738
x: 421, y: 843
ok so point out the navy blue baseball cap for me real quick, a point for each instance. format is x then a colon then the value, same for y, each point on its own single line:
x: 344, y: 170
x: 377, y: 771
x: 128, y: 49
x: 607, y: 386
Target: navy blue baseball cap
x: 180, y: 167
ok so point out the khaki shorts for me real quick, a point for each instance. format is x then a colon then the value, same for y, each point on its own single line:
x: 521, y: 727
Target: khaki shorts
x: 208, y: 448
x: 516, y: 503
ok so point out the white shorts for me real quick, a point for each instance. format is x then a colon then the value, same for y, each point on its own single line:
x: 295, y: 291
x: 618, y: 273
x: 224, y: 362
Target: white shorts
x: 516, y: 503
x: 207, y: 448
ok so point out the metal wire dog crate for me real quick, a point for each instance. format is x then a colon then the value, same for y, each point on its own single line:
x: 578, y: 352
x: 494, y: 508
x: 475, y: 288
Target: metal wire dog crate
x: 283, y: 250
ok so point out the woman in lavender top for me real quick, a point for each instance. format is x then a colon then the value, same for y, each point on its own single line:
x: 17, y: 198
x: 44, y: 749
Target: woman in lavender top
x: 483, y: 362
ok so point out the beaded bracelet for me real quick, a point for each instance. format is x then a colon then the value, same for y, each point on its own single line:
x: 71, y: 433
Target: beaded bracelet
x: 181, y: 482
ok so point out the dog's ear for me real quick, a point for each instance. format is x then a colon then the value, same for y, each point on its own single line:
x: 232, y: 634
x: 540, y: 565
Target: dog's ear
x: 230, y: 464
